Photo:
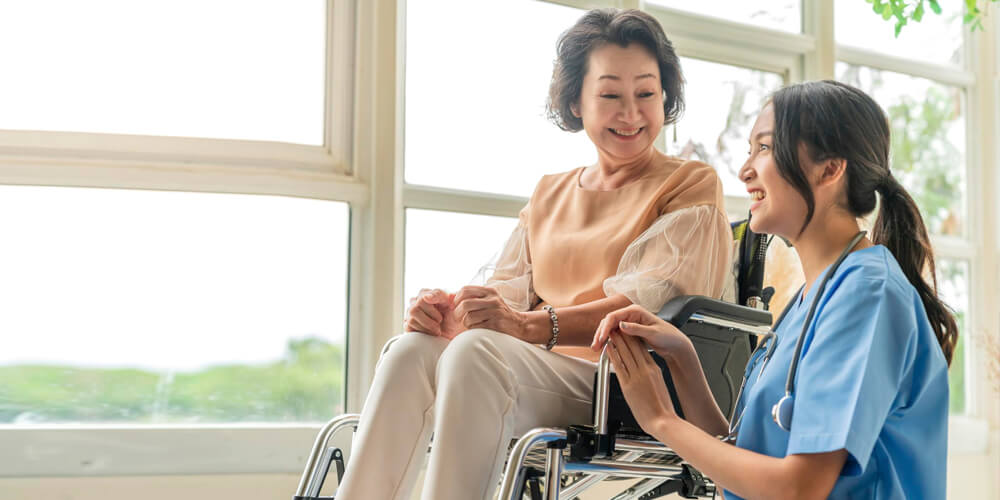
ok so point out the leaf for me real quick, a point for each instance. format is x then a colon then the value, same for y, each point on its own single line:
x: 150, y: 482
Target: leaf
x: 935, y: 7
x: 918, y: 13
x: 899, y: 27
x: 886, y: 14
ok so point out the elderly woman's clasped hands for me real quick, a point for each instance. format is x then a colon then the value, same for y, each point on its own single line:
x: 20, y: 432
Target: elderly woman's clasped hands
x: 442, y: 314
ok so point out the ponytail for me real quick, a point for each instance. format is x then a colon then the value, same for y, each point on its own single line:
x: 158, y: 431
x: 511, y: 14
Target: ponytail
x: 835, y: 120
x: 900, y: 228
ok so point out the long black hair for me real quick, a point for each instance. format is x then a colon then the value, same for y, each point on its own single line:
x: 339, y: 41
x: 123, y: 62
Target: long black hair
x: 834, y: 120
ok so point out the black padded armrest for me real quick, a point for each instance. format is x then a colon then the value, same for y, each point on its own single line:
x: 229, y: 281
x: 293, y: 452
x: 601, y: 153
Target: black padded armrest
x: 679, y: 309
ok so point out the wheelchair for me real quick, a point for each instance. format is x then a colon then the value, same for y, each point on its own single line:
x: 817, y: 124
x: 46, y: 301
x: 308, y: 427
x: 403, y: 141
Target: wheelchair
x: 554, y: 463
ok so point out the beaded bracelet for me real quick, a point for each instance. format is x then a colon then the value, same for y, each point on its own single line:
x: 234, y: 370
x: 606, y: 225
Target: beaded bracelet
x: 555, y: 327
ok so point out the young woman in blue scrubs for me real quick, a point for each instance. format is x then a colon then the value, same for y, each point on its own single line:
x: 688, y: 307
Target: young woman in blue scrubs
x: 866, y: 411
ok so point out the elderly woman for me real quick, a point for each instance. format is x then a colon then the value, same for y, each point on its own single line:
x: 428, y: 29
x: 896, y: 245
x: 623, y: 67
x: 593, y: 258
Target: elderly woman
x: 480, y: 367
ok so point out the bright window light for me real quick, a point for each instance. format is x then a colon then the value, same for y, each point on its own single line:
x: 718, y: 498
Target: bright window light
x: 446, y: 250
x: 126, y: 306
x: 936, y: 38
x: 784, y: 15
x: 475, y: 112
x: 722, y: 103
x: 227, y: 69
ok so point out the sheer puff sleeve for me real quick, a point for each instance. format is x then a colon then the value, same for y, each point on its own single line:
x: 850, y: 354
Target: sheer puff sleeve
x: 510, y: 270
x: 684, y: 252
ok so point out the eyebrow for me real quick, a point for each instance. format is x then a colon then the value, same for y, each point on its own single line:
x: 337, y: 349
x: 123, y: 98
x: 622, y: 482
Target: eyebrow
x: 762, y: 134
x: 615, y: 77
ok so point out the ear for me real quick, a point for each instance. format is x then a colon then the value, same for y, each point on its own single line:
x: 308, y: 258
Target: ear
x: 575, y: 109
x: 831, y: 172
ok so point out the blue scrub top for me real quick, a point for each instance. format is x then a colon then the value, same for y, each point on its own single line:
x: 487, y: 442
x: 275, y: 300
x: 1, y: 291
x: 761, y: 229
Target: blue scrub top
x: 872, y: 380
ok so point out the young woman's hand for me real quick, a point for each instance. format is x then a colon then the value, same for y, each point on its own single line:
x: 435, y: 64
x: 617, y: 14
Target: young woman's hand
x: 636, y: 321
x: 483, y: 307
x: 433, y: 312
x: 642, y: 382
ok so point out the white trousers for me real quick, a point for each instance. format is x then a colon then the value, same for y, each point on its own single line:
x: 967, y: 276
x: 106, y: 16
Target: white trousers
x: 475, y: 393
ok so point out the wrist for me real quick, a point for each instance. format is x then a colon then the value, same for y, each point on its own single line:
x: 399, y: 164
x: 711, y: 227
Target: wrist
x: 665, y: 426
x: 537, y: 327
x: 680, y: 356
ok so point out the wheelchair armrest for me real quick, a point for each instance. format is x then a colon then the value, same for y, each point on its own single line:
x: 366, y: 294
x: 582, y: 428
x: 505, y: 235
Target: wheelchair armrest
x: 680, y: 309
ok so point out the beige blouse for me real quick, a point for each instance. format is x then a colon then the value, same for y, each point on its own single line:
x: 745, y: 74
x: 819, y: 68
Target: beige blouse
x: 660, y: 236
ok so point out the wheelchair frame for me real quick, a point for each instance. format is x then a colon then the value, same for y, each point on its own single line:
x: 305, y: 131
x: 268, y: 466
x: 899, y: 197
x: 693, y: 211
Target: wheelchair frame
x: 595, y: 452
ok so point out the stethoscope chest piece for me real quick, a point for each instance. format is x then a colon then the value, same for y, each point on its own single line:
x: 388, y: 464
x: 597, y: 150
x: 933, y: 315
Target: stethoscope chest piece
x: 782, y: 412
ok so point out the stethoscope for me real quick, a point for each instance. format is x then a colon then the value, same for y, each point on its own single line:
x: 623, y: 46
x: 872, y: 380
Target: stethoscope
x: 781, y: 412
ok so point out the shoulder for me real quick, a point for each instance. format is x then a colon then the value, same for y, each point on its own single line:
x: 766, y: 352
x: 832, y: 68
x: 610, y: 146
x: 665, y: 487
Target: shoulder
x: 688, y: 183
x: 871, y: 288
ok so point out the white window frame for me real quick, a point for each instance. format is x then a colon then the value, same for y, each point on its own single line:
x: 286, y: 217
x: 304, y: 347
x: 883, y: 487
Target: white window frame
x: 361, y: 162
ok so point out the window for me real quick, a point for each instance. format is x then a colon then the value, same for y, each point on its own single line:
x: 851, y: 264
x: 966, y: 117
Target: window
x: 446, y: 249
x: 953, y: 288
x: 784, y: 15
x: 475, y: 112
x: 145, y: 307
x: 223, y: 69
x: 927, y: 120
x: 936, y: 38
x: 720, y: 111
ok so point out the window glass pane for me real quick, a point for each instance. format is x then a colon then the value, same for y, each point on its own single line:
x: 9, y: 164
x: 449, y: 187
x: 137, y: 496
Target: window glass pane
x: 225, y: 69
x: 446, y: 249
x: 785, y: 15
x: 953, y: 288
x: 475, y: 112
x: 928, y: 141
x: 164, y: 307
x: 936, y: 38
x: 722, y: 103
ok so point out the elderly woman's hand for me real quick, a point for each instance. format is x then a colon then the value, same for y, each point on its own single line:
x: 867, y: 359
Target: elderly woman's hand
x: 636, y: 321
x: 483, y: 307
x: 433, y: 312
x: 641, y: 382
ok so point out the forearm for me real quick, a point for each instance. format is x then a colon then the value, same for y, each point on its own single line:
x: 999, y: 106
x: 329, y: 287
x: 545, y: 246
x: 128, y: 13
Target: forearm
x: 694, y: 393
x: 749, y: 474
x: 577, y: 324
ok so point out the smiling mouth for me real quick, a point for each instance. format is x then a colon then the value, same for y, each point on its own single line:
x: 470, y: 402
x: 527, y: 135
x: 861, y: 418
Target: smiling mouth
x: 626, y: 132
x: 757, y: 195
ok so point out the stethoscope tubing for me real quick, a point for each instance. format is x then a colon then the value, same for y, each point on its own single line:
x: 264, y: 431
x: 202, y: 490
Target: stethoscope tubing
x: 771, y: 337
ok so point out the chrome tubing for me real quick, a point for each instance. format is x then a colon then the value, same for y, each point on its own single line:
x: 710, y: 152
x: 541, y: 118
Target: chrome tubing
x: 617, y: 469
x: 512, y: 474
x: 306, y: 483
x: 643, y: 446
x: 553, y: 471
x: 574, y: 490
x: 602, y: 389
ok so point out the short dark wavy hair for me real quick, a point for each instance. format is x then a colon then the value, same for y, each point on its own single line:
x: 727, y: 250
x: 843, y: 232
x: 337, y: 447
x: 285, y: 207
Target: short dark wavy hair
x: 601, y: 27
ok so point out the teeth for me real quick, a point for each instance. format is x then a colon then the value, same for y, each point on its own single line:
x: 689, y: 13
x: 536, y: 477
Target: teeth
x: 757, y: 195
x: 626, y: 132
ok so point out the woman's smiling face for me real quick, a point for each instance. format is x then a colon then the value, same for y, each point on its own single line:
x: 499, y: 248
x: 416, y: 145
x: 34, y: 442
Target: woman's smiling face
x: 775, y: 206
x: 621, y: 102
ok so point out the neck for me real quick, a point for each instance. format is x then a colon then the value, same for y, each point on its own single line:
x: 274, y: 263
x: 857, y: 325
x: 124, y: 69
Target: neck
x: 823, y: 241
x: 612, y: 173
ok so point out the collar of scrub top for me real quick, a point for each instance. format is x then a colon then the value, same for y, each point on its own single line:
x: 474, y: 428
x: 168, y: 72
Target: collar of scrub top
x: 782, y: 410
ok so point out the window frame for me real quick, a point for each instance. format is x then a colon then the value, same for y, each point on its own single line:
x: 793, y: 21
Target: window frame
x: 361, y: 163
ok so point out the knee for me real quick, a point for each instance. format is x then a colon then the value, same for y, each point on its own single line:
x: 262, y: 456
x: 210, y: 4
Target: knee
x: 475, y: 355
x: 411, y: 350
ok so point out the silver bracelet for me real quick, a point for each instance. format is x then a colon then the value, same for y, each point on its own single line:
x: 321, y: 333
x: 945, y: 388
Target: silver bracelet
x: 555, y: 327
